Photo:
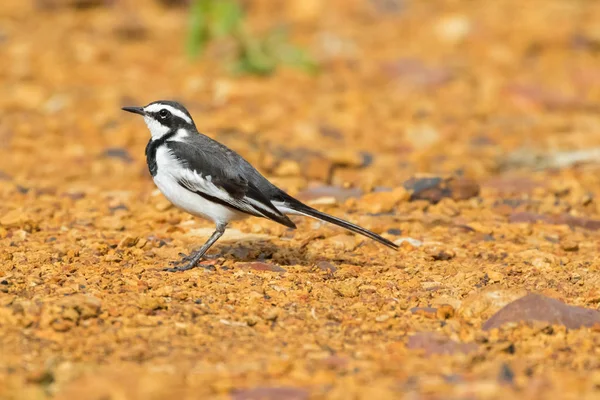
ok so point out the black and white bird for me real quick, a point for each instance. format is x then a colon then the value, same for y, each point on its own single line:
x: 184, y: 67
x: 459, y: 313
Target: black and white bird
x: 205, y: 178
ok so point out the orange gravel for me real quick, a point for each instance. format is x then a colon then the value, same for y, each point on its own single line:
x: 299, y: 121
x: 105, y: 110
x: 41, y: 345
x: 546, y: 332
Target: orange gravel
x: 498, y: 98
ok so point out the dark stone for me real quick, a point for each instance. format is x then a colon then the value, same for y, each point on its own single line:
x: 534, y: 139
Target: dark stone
x: 435, y: 189
x: 483, y: 281
x: 506, y: 375
x: 510, y: 349
x: 118, y: 207
x: 425, y: 188
x: 118, y: 153
x: 442, y: 256
x: 367, y: 159
x: 331, y: 132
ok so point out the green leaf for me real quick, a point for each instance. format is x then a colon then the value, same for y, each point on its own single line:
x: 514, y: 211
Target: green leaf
x: 252, y: 57
x: 285, y: 52
x: 198, y: 34
x: 298, y: 58
x: 210, y: 19
x: 226, y: 17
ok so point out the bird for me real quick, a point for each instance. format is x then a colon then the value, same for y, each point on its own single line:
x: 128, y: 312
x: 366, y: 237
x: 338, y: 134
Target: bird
x: 209, y: 180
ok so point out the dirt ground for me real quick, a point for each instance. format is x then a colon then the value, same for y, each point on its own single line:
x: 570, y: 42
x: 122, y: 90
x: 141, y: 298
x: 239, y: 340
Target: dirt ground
x: 468, y: 132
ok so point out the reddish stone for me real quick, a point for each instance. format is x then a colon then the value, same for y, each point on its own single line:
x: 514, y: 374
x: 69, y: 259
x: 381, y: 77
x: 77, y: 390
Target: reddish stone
x: 581, y: 222
x: 260, y: 266
x: 414, y: 72
x: 535, y: 307
x: 335, y: 362
x: 528, y: 96
x: 463, y: 188
x: 336, y: 192
x: 525, y: 217
x: 434, y: 343
x: 512, y: 185
x: 326, y: 266
x: 428, y: 312
x: 271, y: 393
x: 564, y: 219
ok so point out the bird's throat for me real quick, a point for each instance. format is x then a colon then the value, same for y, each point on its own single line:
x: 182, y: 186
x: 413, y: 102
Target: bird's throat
x: 151, y: 149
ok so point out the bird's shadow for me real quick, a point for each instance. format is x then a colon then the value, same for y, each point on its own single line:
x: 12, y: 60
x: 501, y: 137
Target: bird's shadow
x: 262, y: 251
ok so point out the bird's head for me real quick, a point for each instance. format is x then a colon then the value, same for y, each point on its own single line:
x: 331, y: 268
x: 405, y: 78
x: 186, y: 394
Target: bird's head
x: 164, y: 116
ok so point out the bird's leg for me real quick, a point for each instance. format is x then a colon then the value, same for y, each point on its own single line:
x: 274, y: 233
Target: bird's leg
x: 195, y: 257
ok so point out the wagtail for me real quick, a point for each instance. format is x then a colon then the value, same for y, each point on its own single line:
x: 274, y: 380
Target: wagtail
x: 207, y: 179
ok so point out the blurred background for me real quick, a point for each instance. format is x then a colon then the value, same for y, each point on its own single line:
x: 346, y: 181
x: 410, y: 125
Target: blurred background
x: 486, y: 111
x: 337, y: 92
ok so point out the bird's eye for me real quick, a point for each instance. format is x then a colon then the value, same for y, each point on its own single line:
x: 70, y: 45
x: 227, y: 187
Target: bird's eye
x: 163, y: 113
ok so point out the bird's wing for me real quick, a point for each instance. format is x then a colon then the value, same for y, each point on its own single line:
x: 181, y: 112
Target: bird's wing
x: 217, y: 176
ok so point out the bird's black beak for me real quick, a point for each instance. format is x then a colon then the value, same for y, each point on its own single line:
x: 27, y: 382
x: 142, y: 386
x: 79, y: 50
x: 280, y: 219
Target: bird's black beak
x: 135, y: 110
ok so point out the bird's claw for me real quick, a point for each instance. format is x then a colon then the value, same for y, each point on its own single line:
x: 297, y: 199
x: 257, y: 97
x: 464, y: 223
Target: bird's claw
x: 184, y: 259
x: 189, y: 266
x: 188, y: 258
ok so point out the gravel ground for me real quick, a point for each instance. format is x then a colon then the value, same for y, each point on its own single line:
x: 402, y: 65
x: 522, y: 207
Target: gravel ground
x: 467, y: 132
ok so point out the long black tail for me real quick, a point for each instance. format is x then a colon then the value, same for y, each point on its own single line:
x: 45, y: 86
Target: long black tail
x: 303, y: 209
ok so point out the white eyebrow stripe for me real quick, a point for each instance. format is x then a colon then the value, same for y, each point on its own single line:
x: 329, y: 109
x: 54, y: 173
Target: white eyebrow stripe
x: 178, y: 113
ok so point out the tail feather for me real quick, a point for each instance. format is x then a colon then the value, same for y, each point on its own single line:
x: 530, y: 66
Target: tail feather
x: 303, y: 209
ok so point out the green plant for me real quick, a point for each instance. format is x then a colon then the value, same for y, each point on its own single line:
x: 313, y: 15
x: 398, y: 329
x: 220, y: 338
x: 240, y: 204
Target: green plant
x: 216, y: 19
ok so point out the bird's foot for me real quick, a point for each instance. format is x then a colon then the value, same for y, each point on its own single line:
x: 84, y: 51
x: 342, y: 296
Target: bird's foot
x: 189, y: 266
x: 186, y: 259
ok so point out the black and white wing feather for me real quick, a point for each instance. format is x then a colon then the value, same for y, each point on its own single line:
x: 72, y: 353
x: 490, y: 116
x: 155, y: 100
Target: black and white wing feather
x: 217, y: 174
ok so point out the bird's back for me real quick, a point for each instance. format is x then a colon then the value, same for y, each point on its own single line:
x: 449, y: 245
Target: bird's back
x: 227, y: 163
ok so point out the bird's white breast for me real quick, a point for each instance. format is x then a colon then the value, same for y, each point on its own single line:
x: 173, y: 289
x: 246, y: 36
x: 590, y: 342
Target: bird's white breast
x: 166, y: 179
